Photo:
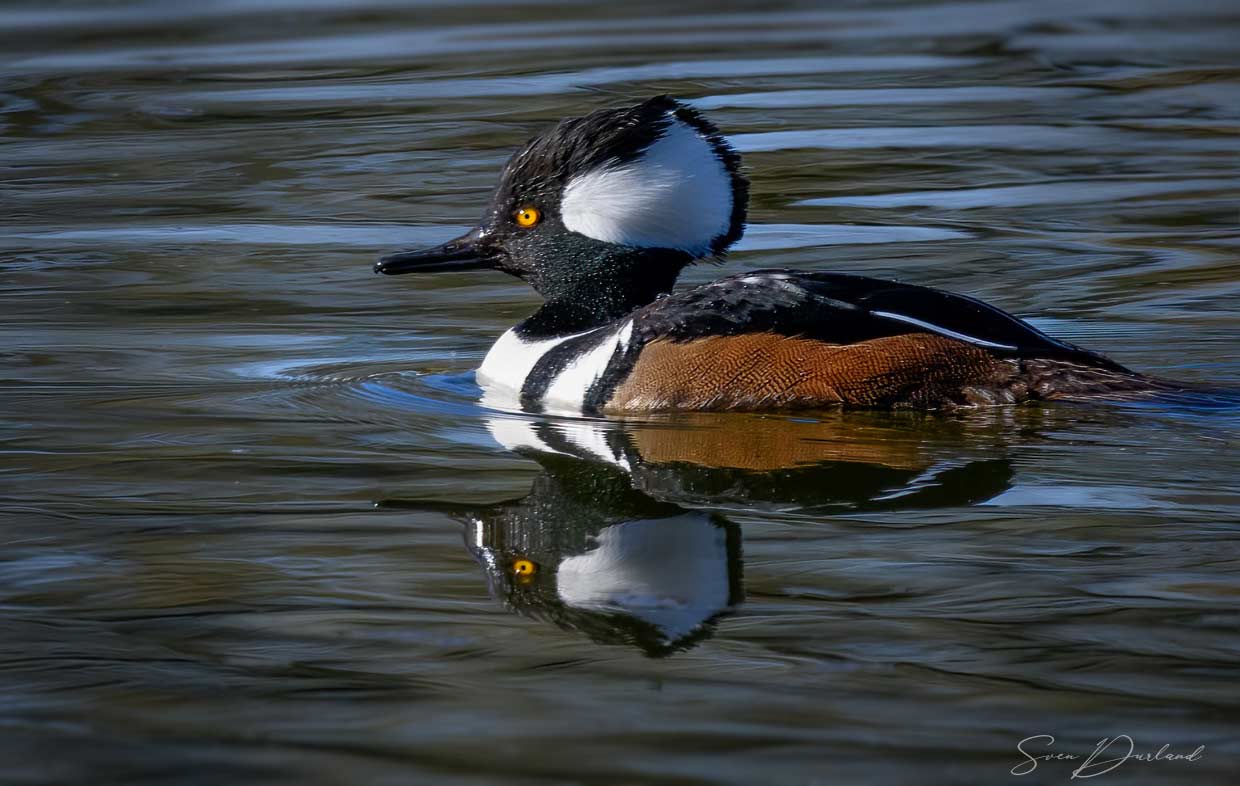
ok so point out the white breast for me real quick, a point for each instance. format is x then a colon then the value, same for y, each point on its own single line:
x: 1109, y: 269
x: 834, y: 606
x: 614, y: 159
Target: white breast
x: 509, y: 362
x: 568, y: 392
x: 586, y: 438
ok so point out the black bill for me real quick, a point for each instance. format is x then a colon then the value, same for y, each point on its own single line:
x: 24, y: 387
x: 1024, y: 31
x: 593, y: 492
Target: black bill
x: 462, y: 253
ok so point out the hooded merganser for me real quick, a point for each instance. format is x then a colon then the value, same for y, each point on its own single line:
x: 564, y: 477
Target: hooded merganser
x: 601, y: 213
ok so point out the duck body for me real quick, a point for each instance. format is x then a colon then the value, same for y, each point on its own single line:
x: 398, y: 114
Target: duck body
x: 601, y: 214
x: 785, y: 339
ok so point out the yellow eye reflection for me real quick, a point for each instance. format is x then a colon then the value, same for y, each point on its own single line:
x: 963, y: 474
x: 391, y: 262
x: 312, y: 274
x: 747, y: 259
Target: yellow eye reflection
x: 524, y: 569
x: 528, y: 217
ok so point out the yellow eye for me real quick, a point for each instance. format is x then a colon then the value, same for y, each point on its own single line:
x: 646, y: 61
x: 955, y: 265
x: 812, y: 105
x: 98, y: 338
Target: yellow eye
x: 524, y: 569
x: 528, y: 216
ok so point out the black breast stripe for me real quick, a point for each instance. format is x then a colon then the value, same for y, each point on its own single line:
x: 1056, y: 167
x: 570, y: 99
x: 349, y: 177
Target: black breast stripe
x: 558, y: 358
x: 617, y: 370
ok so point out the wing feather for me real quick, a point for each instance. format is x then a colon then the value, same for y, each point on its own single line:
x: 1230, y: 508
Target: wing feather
x: 834, y: 310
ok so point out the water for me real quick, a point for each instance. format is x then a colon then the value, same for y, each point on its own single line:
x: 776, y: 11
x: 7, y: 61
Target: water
x: 257, y: 528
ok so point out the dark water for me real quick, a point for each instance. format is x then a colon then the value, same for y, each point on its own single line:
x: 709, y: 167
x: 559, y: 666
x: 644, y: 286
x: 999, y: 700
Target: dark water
x: 256, y: 528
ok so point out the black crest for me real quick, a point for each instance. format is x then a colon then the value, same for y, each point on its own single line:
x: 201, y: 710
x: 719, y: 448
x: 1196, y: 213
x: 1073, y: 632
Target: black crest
x: 577, y: 145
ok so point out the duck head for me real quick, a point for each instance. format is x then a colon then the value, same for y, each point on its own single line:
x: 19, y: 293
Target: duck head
x: 604, y: 211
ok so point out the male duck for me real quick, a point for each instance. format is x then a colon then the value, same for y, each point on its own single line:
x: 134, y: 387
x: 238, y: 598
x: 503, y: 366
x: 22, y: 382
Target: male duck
x: 601, y: 213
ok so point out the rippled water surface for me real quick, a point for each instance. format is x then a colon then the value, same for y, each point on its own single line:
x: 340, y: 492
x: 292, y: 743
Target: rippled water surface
x: 257, y: 528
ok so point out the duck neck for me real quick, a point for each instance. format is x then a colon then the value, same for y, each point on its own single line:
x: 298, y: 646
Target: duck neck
x: 585, y: 297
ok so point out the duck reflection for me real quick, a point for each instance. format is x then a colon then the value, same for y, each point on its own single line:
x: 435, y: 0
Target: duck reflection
x: 620, y: 537
x: 589, y: 552
x: 844, y: 461
x: 623, y: 538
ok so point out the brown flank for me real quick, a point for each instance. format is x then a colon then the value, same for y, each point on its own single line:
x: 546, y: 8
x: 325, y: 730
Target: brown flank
x: 769, y: 371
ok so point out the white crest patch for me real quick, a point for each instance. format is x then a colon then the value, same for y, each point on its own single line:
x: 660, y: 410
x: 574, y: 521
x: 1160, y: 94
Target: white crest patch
x: 672, y: 573
x: 677, y: 194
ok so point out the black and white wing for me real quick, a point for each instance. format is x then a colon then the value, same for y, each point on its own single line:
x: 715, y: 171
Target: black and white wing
x: 839, y: 308
x: 800, y: 338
